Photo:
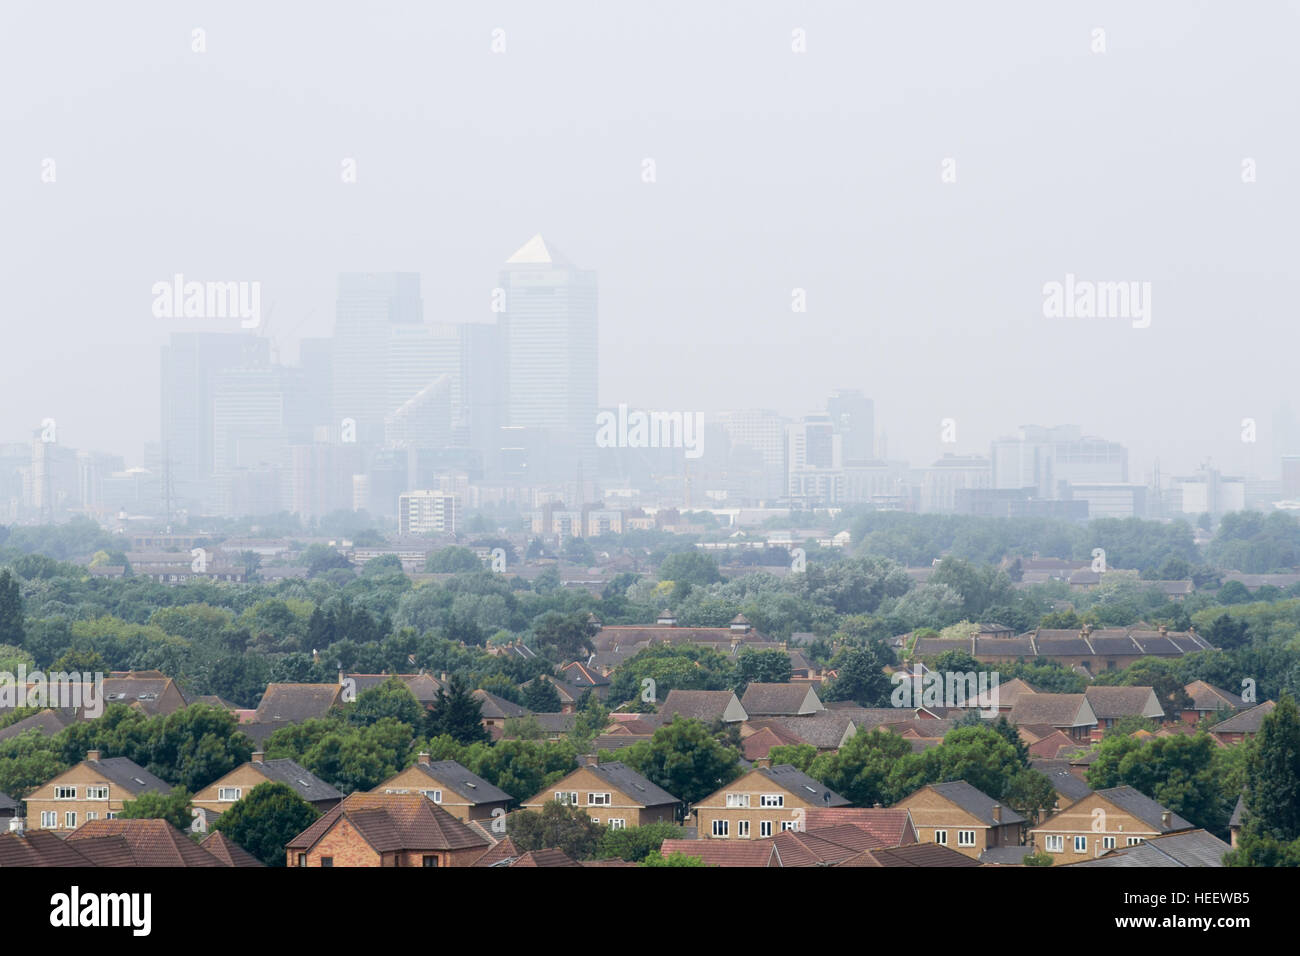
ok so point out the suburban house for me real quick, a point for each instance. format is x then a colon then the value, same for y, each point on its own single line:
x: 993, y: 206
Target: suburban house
x: 8, y: 807
x: 709, y: 706
x: 386, y: 829
x: 1209, y: 702
x: 1187, y: 848
x: 762, y: 803
x: 1069, y: 713
x: 957, y: 815
x: 152, y: 692
x: 94, y: 789
x: 780, y: 700
x: 1070, y: 787
x: 423, y: 687
x: 495, y: 711
x: 285, y: 704
x: 1102, y: 821
x: 461, y: 793
x: 149, y: 842
x: 610, y: 793
x: 1245, y: 724
x: 1112, y: 704
x: 47, y: 723
x: 218, y: 796
x: 586, y: 677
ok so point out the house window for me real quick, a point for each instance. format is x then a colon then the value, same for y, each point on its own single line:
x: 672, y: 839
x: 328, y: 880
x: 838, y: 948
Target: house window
x: 737, y: 800
x: 1134, y: 841
x: 327, y: 861
x: 568, y: 798
x: 434, y: 795
x: 49, y: 819
x: 772, y: 800
x: 1108, y: 843
x: 941, y: 837
x: 228, y: 794
x: 595, y: 820
x: 965, y: 837
x: 720, y: 828
x: 302, y: 859
x: 742, y: 828
x: 430, y: 861
x: 65, y: 793
x: 92, y: 815
x: 97, y: 793
x: 111, y: 815
x: 1054, y: 844
x: 618, y: 824
x: 70, y: 819
x: 789, y: 825
x: 1081, y: 844
x: 598, y: 800
x: 764, y: 828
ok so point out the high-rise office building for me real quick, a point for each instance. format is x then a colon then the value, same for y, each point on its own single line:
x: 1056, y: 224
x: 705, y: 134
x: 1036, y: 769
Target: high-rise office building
x: 191, y: 362
x: 1046, y: 458
x: 854, y: 418
x: 550, y: 331
x: 372, y: 310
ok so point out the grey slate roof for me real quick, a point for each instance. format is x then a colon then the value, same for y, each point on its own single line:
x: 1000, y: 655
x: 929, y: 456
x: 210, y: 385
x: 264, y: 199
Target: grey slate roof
x: 808, y: 789
x: 975, y: 802
x: 1138, y: 804
x: 496, y: 708
x: 630, y: 783
x: 1117, y: 702
x: 1246, y: 722
x: 49, y: 722
x: 705, y: 705
x: 1063, y: 782
x: 301, y: 781
x: 129, y: 775
x: 1193, y: 848
x: 7, y: 802
x: 455, y: 777
x: 765, y: 700
x: 1238, y: 813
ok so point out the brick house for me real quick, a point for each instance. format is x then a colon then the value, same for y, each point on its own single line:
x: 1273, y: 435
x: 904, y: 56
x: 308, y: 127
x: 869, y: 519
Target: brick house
x: 94, y: 789
x: 1245, y: 724
x: 1069, y: 713
x: 762, y: 803
x: 708, y: 706
x: 464, y: 795
x: 218, y: 796
x: 1102, y: 821
x: 386, y: 829
x: 780, y: 700
x: 612, y: 794
x: 1112, y: 704
x: 959, y: 816
x: 1209, y: 701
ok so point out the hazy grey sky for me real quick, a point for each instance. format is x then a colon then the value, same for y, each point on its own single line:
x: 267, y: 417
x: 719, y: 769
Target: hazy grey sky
x: 775, y: 171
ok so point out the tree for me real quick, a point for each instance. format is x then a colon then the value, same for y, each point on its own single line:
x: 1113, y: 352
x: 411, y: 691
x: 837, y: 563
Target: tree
x: 393, y: 699
x: 457, y: 714
x: 11, y: 610
x: 1273, y: 774
x: 762, y: 667
x: 676, y: 858
x: 556, y: 825
x: 636, y: 843
x: 690, y: 567
x: 685, y: 759
x: 319, y: 558
x: 541, y: 697
x: 861, y: 675
x: 265, y: 819
x: 860, y: 770
x: 568, y: 634
x: 173, y: 807
x: 453, y: 560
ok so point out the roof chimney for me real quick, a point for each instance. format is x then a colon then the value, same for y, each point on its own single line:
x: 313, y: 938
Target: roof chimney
x: 92, y: 754
x: 258, y: 756
x: 422, y: 758
x: 997, y: 813
x: 1164, y: 631
x: 1165, y: 817
x: 340, y: 677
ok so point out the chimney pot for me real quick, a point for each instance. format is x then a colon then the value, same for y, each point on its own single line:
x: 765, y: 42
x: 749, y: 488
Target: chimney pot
x: 92, y: 754
x: 422, y: 758
x: 258, y: 756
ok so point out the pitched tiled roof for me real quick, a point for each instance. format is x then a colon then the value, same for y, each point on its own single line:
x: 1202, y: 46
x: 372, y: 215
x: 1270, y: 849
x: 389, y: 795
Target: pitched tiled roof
x: 1207, y: 697
x: 500, y: 854
x: 39, y: 848
x: 394, y: 821
x: 48, y: 722
x: 107, y: 851
x: 794, y: 848
x: 294, y: 703
x: 1063, y: 782
x: 758, y: 745
x: 975, y: 802
x: 1190, y: 848
x: 705, y: 705
x: 310, y: 788
x: 129, y: 775
x: 1238, y: 812
x: 228, y: 851
x: 891, y: 826
x: 1137, y: 804
x: 825, y: 730
x: 7, y: 802
x: 497, y: 708
x: 773, y: 700
x: 728, y: 853
x: 552, y: 857
x: 631, y: 784
x: 152, y: 842
x: 1118, y: 702
x: 809, y: 790
x: 455, y: 777
x: 1246, y: 722
x: 1059, y: 710
x: 916, y: 854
